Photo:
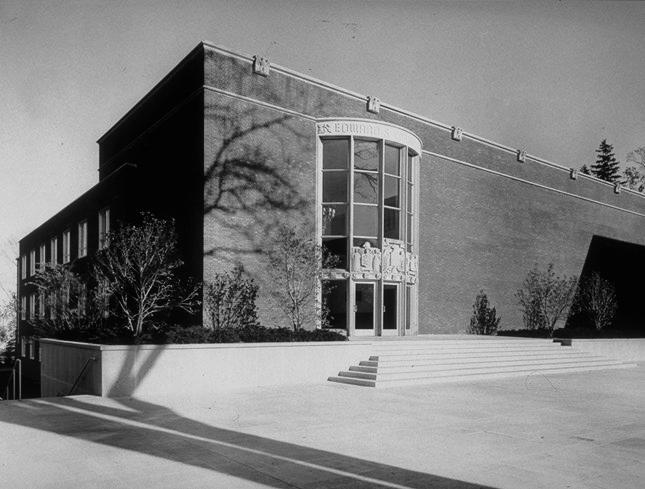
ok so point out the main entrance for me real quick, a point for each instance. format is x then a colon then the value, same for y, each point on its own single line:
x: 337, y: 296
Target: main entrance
x: 366, y: 189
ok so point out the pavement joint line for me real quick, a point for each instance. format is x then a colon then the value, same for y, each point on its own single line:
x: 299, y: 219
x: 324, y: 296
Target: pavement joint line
x: 139, y: 424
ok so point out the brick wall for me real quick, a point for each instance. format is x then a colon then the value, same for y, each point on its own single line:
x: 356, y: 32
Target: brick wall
x: 259, y: 167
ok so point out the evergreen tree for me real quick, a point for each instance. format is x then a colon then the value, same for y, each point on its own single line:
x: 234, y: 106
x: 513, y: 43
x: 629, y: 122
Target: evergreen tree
x: 606, y: 167
x: 585, y: 169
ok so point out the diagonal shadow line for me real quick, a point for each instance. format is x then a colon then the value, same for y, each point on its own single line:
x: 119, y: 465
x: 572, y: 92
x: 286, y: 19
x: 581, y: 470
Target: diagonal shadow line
x: 158, y: 431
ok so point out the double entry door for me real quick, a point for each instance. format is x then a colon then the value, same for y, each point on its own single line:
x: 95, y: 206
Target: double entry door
x: 376, y: 309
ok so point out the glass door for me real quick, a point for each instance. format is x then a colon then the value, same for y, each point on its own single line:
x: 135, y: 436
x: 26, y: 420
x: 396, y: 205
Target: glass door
x: 364, y: 309
x: 390, y: 309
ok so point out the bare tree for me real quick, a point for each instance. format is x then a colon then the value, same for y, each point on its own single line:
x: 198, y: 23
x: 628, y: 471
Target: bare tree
x: 8, y: 311
x: 297, y: 263
x: 633, y: 179
x: 597, y: 298
x: 634, y: 176
x: 138, y: 270
x: 637, y: 156
x: 545, y: 297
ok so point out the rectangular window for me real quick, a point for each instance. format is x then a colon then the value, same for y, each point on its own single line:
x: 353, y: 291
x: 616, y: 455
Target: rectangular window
x: 53, y: 303
x: 53, y: 251
x: 31, y: 349
x: 104, y: 227
x: 32, y: 306
x: 42, y: 258
x: 67, y: 238
x: 408, y: 307
x: 41, y: 305
x: 32, y: 262
x: 82, y: 300
x: 335, y: 182
x: 23, y: 307
x: 334, y: 300
x: 65, y: 296
x: 23, y: 267
x: 23, y: 347
x: 82, y: 239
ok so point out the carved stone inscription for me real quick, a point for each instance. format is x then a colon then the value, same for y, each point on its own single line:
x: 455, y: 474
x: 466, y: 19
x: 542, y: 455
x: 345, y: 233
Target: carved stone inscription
x: 393, y: 260
x: 392, y: 263
x: 366, y: 261
x: 412, y: 266
x: 261, y: 66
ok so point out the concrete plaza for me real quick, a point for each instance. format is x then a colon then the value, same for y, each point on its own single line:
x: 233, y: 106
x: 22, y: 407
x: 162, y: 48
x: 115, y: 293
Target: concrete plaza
x: 559, y: 431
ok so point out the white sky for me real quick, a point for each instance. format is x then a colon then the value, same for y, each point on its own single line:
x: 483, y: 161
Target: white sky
x: 553, y: 77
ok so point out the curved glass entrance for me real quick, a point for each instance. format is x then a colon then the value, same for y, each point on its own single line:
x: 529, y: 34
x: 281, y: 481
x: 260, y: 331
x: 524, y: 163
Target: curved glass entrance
x: 367, y: 197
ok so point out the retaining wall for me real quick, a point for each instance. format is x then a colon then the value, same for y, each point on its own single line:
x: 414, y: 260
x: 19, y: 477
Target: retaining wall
x: 146, y: 371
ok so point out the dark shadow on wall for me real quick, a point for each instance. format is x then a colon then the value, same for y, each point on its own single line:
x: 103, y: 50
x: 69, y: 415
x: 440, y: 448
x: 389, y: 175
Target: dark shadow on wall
x: 254, y: 177
x: 623, y: 264
x: 151, y: 429
x: 259, y: 173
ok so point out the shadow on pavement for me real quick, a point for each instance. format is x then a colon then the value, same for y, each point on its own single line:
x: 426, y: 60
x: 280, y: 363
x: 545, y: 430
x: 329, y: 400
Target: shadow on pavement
x: 158, y: 431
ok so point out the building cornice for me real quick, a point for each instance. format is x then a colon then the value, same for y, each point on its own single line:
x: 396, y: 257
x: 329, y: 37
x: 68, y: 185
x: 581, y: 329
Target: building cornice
x: 407, y: 113
x: 199, y: 49
x: 534, y: 184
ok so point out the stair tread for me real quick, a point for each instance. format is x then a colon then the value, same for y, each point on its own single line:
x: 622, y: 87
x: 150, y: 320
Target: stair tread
x: 497, y: 363
x: 484, y: 369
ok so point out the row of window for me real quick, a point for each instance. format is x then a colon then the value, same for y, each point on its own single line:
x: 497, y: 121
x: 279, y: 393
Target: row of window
x: 29, y: 347
x: 104, y: 229
x: 36, y: 305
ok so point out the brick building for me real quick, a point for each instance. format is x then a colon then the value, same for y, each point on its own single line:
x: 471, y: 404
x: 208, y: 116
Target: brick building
x: 420, y: 214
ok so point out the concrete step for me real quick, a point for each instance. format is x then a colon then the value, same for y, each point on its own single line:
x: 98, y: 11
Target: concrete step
x: 469, y: 354
x: 438, y: 360
x: 442, y: 371
x: 460, y: 344
x: 469, y: 363
x: 457, y: 359
x: 464, y: 377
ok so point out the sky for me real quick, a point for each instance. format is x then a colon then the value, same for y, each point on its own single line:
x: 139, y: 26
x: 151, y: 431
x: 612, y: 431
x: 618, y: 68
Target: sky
x: 552, y: 77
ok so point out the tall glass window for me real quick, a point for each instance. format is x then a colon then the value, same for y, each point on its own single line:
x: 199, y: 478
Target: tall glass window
x: 381, y: 199
x: 53, y: 251
x: 367, y: 200
x: 391, y: 193
x: 334, y: 302
x: 32, y: 262
x: 335, y: 200
x: 367, y: 189
x: 104, y: 227
x: 82, y: 239
x: 42, y: 256
x: 67, y: 246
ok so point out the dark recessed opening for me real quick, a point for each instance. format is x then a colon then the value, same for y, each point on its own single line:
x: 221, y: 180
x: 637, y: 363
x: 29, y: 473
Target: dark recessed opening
x: 622, y: 264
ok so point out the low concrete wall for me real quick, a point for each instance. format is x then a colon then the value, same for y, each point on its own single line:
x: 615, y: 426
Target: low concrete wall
x: 61, y: 364
x: 148, y: 371
x: 628, y: 349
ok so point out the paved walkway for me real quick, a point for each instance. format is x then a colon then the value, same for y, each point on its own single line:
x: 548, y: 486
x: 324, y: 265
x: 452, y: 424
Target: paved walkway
x: 565, y: 431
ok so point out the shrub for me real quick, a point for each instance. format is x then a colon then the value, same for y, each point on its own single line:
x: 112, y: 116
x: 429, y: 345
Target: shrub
x: 247, y: 334
x: 545, y: 298
x: 597, y: 300
x: 230, y: 301
x: 484, y: 319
